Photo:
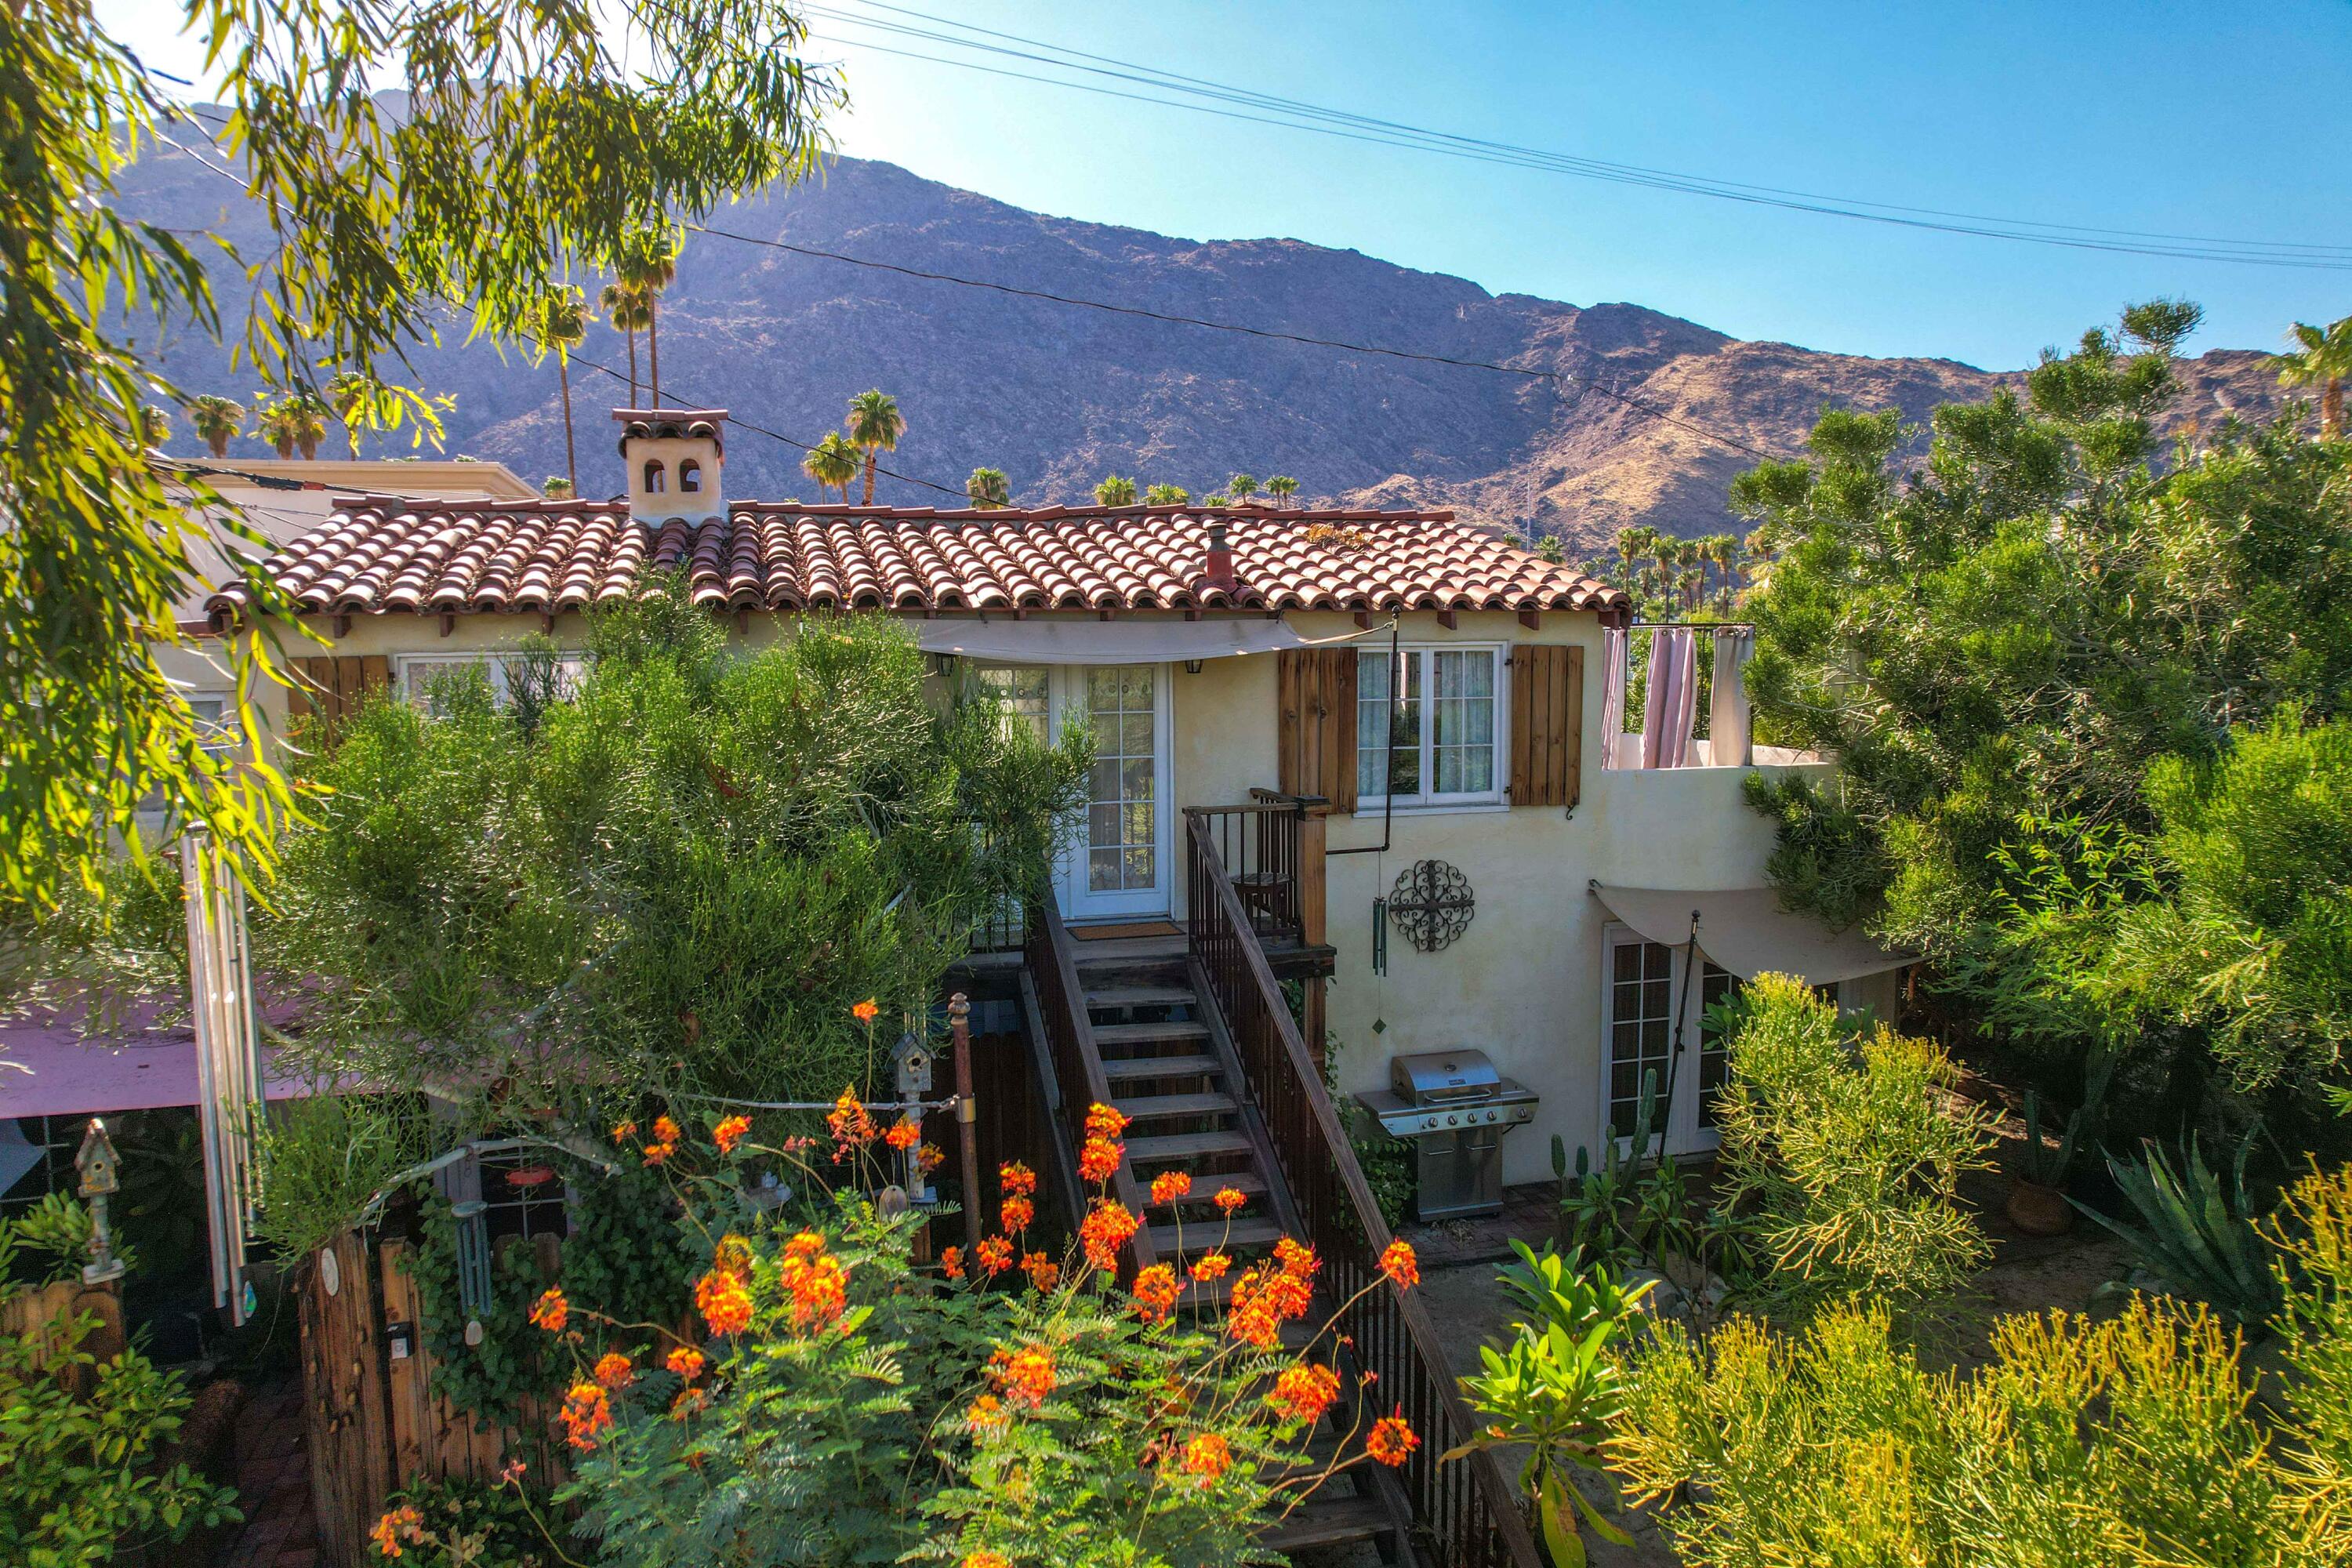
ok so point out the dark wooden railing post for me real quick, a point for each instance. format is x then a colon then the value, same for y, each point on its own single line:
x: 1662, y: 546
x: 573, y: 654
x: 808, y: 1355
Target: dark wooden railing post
x: 967, y: 1116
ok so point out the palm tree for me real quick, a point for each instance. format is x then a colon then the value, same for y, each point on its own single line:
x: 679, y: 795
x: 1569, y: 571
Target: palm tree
x: 834, y: 463
x: 989, y: 489
x: 557, y: 487
x: 1282, y: 487
x: 155, y: 425
x: 648, y: 262
x: 563, y: 322
x: 1242, y: 487
x: 1218, y: 500
x: 295, y: 421
x: 1114, y: 491
x: 1167, y: 495
x: 2325, y: 361
x: 350, y: 395
x: 217, y: 421
x: 1632, y: 539
x: 625, y: 306
x: 876, y: 425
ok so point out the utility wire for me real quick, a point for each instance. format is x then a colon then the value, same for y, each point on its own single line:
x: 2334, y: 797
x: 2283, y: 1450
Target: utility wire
x: 1302, y: 115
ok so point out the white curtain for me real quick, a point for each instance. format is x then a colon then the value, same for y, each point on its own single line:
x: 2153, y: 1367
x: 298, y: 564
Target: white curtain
x: 1731, y: 740
x: 1612, y: 696
x: 1673, y: 698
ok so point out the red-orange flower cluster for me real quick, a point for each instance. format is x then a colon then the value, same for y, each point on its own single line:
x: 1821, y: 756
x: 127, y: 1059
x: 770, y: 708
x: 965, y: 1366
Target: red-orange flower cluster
x: 852, y: 1127
x: 1155, y: 1293
x: 987, y: 1560
x: 1026, y: 1376
x: 1107, y: 1226
x: 813, y: 1280
x: 986, y: 1415
x: 866, y: 1012
x: 1208, y: 1457
x: 1398, y: 1262
x: 1043, y: 1271
x: 1104, y: 1122
x: 995, y: 1255
x: 1017, y: 1215
x: 729, y: 1133
x: 1296, y: 1259
x: 724, y: 1301
x: 951, y: 1262
x: 1230, y: 1198
x: 551, y: 1311
x: 1098, y: 1161
x: 587, y: 1413
x: 1017, y: 1180
x: 1210, y: 1266
x: 1305, y: 1392
x: 666, y: 1130
x: 1391, y: 1441
x: 403, y: 1523
x: 625, y: 1131
x: 686, y: 1362
x: 903, y: 1134
x: 929, y: 1158
x: 1170, y: 1185
x: 614, y: 1371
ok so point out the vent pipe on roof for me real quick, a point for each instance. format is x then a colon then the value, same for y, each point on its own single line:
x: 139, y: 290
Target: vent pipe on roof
x: 673, y: 462
x: 1218, y: 576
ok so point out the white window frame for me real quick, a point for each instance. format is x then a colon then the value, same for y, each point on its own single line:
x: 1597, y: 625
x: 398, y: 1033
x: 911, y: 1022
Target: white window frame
x: 410, y: 671
x: 1446, y: 800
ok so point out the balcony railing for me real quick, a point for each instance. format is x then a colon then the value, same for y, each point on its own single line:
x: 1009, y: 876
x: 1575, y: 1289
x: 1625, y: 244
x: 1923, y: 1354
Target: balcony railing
x: 1259, y: 846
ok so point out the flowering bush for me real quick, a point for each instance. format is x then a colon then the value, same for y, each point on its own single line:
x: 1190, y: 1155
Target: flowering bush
x: 847, y: 1403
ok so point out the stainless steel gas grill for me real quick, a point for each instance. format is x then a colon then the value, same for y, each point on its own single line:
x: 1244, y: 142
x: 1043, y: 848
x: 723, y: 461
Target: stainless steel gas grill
x: 1453, y: 1107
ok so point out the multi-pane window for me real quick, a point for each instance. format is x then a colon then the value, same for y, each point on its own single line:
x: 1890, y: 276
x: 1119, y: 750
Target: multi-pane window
x: 37, y: 1158
x: 1436, y: 743
x: 1122, y: 807
x: 1024, y: 696
x: 1716, y: 986
x: 415, y: 673
x: 524, y: 1194
x: 1641, y: 1029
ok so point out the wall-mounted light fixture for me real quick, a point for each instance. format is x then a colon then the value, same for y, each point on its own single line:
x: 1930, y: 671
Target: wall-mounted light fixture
x: 1192, y: 667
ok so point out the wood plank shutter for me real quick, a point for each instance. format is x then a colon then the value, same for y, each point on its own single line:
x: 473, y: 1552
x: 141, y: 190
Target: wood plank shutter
x: 331, y: 687
x: 1547, y: 724
x: 1316, y: 743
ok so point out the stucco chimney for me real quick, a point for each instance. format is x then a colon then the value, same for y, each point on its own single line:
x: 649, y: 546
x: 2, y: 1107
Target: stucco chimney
x: 675, y: 460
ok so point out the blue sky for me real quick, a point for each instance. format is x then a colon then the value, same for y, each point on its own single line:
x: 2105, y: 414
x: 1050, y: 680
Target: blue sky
x: 2202, y: 119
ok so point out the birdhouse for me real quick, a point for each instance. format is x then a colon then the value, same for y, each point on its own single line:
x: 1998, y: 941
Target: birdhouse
x: 912, y: 1059
x: 97, y: 1162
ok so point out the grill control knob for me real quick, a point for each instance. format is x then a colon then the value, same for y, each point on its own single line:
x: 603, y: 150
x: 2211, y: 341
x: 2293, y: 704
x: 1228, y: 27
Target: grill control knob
x: 1451, y: 1119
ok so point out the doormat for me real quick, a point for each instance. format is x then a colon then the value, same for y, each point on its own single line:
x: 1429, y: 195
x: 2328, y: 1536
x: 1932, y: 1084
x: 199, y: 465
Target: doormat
x: 1112, y: 933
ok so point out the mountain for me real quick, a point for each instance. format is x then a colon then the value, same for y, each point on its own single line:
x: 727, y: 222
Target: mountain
x: 1058, y: 396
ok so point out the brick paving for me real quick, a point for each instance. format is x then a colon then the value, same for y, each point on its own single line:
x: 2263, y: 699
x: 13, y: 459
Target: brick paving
x: 273, y: 1484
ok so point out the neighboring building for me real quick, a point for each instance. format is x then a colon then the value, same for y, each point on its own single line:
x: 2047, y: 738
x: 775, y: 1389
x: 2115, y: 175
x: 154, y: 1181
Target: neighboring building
x: 1216, y: 653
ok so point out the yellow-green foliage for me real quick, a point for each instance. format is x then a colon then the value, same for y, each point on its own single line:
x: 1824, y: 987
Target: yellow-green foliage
x: 2127, y: 1443
x: 1851, y: 1150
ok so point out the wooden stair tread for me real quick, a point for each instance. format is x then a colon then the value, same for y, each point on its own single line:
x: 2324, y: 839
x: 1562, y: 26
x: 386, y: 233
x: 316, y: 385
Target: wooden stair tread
x: 1111, y: 949
x: 1141, y: 997
x: 1169, y: 1147
x: 1190, y: 1065
x: 1324, y: 1520
x: 1108, y: 1035
x: 1158, y: 1106
x: 1206, y: 1188
x: 1211, y: 1234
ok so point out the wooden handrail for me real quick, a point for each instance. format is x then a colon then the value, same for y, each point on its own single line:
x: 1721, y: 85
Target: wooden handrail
x: 1052, y: 961
x: 1476, y: 1527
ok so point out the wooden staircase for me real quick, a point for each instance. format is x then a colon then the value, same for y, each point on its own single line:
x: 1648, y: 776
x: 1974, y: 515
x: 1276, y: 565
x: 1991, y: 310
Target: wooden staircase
x: 1171, y: 1072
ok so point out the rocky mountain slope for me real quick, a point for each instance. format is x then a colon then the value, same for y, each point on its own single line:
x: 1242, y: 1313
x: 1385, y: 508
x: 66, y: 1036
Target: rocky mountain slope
x: 1058, y: 397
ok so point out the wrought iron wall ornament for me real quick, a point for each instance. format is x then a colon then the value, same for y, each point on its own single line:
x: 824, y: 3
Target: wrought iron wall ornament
x: 1432, y: 904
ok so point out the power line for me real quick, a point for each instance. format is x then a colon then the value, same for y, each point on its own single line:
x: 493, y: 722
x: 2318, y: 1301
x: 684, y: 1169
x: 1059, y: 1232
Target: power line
x: 1298, y: 115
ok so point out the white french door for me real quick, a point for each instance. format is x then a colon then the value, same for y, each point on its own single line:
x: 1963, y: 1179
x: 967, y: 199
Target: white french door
x: 1641, y: 993
x: 1117, y: 861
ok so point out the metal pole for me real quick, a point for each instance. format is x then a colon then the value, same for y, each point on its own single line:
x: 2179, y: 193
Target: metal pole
x: 967, y: 1144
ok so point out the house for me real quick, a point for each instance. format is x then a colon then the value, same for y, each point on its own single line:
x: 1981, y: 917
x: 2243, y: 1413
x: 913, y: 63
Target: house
x: 1240, y: 669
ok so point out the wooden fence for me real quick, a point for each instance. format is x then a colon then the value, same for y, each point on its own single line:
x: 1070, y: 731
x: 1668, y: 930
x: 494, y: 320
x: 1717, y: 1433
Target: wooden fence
x: 45, y: 1310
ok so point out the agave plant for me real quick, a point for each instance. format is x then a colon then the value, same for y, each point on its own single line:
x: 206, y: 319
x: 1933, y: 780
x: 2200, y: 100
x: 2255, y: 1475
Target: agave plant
x: 2196, y: 1234
x: 2047, y: 1165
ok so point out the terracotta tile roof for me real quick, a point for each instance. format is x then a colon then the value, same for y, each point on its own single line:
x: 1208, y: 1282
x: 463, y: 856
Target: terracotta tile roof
x: 378, y: 555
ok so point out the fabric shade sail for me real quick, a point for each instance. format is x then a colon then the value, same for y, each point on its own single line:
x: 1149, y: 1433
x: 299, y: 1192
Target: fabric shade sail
x: 56, y: 1071
x: 1745, y: 931
x: 1129, y: 640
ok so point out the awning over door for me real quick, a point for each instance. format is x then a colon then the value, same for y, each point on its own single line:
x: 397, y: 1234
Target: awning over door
x: 1745, y: 931
x: 1129, y: 640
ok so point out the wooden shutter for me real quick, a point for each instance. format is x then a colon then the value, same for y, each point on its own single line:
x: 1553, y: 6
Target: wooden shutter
x: 1547, y: 724
x: 331, y: 687
x: 1316, y: 688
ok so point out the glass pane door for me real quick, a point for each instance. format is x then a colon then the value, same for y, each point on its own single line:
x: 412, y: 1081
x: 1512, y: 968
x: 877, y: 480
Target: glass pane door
x: 1120, y: 867
x: 1643, y: 991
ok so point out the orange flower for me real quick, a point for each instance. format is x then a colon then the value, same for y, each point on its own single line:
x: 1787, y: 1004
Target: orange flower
x: 1170, y: 1185
x: 1098, y: 1161
x: 1017, y: 1180
x: 995, y: 1255
x: 614, y: 1371
x: 1287, y: 1296
x: 1103, y: 1121
x: 815, y: 1282
x: 805, y: 1245
x: 1210, y: 1266
x: 401, y: 1521
x: 1231, y: 1198
x: 1043, y: 1271
x: 624, y: 1131
x: 729, y: 1133
x: 987, y: 1560
x: 1026, y: 1375
x: 1295, y: 1259
x: 1400, y: 1265
x: 1391, y: 1441
x: 686, y: 1362
x: 929, y: 1158
x: 986, y: 1415
x: 1208, y: 1457
x: 1254, y: 1325
x: 866, y: 1012
x: 666, y: 1130
x: 1018, y: 1213
x: 687, y: 1402
x: 850, y: 1124
x: 551, y: 1311
x: 1107, y: 1227
x: 1155, y: 1293
x: 732, y: 1256
x: 723, y: 1302
x: 1305, y: 1392
x: 587, y: 1413
x: 903, y: 1134
x: 951, y: 1262
x: 657, y: 1153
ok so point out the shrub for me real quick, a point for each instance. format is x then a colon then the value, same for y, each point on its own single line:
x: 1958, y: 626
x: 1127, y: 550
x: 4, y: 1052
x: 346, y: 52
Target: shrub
x: 1848, y: 1151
